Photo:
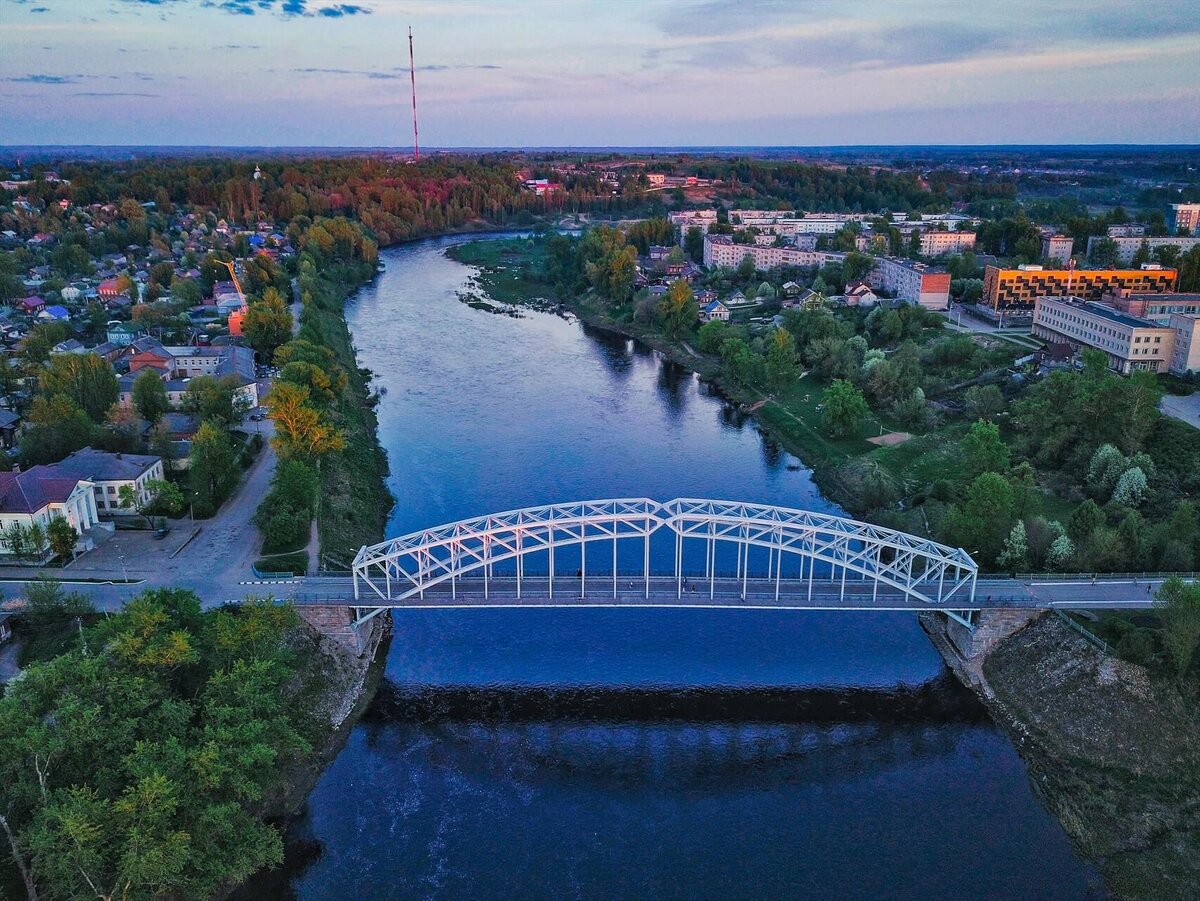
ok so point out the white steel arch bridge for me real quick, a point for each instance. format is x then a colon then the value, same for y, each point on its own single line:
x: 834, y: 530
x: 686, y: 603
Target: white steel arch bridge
x: 813, y: 561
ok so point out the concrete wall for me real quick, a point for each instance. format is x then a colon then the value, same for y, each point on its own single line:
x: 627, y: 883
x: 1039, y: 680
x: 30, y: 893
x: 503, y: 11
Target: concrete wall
x: 337, y: 623
x: 991, y: 628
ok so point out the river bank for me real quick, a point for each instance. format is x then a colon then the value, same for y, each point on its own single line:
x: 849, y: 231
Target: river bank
x: 823, y: 456
x: 1112, y: 751
x: 1106, y: 805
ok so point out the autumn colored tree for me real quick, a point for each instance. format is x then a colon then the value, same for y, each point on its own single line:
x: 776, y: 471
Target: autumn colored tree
x: 677, y: 311
x: 300, y: 430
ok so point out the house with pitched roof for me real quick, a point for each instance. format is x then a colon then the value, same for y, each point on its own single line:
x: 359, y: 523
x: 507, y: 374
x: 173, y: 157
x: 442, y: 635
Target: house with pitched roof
x: 41, y: 494
x: 107, y: 473
x: 714, y: 310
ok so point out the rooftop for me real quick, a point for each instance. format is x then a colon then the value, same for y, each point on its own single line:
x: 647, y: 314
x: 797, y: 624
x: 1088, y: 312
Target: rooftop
x: 103, y: 466
x: 1104, y: 312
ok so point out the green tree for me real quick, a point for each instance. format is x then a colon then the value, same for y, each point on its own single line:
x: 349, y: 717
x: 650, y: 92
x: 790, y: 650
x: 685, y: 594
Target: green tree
x: 844, y: 409
x: 1178, y: 606
x: 1104, y: 253
x: 712, y: 335
x: 1189, y: 270
x: 984, y: 402
x: 1060, y: 554
x: 62, y: 536
x: 746, y: 269
x: 211, y: 468
x: 984, y: 450
x: 268, y: 323
x: 1131, y: 488
x: 1014, y: 556
x: 783, y: 365
x: 150, y: 396
x: 609, y: 262
x: 856, y: 266
x: 87, y: 379
x: 56, y: 427
x: 1085, y: 520
x: 693, y: 244
x: 981, y: 523
x: 214, y: 399
x: 186, y: 293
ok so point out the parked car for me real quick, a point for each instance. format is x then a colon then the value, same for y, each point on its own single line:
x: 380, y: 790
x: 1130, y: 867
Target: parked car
x: 161, y: 533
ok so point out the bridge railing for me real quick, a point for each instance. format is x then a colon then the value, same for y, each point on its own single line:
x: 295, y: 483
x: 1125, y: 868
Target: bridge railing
x: 1098, y: 577
x: 1088, y: 636
x: 407, y: 566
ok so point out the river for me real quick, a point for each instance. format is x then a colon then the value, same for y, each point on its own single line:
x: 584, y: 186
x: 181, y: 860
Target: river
x: 637, y: 753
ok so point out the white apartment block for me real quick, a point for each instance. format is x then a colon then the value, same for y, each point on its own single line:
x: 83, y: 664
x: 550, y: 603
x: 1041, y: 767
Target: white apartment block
x: 1127, y: 247
x: 1184, y: 215
x: 719, y: 250
x: 911, y: 282
x: 1185, y: 357
x: 1132, y: 344
x: 936, y: 244
x: 1058, y: 247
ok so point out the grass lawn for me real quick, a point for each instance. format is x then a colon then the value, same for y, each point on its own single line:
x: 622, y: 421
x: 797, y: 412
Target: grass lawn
x: 284, y: 563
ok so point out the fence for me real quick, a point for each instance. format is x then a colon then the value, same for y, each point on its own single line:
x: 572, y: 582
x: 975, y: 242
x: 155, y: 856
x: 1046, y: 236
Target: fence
x: 1087, y: 635
x: 264, y: 574
x: 1097, y: 577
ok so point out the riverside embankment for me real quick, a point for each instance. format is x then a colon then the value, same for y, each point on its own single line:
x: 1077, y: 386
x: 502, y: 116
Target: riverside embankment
x: 1133, y: 815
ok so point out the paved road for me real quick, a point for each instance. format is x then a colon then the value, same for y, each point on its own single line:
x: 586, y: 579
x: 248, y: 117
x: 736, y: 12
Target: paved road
x: 215, y: 564
x: 1185, y: 409
x: 793, y: 594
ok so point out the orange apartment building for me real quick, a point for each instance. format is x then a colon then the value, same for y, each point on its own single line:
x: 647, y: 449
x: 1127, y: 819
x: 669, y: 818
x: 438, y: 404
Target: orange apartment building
x: 1006, y: 290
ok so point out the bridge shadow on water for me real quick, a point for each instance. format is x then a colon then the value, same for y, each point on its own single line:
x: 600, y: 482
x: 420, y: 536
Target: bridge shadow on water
x: 671, y: 739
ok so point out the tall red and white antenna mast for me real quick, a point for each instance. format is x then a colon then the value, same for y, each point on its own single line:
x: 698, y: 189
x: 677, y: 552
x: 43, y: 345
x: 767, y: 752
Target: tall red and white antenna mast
x: 412, y: 74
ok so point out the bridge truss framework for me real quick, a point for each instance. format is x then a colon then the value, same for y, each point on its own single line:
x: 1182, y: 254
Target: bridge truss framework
x: 402, y: 569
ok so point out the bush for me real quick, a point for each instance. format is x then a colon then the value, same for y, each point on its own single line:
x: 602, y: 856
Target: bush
x: 287, y: 510
x: 1137, y: 646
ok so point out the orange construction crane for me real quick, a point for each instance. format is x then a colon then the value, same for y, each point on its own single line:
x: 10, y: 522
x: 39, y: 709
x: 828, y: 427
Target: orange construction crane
x: 236, y: 283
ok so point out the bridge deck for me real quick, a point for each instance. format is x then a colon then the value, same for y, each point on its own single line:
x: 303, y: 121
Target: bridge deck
x: 760, y: 593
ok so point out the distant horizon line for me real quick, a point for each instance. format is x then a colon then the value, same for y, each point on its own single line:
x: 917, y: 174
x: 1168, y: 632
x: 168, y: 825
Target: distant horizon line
x: 587, y: 147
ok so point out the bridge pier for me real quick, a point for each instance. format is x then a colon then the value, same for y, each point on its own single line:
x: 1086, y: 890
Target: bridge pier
x: 336, y: 622
x: 990, y: 627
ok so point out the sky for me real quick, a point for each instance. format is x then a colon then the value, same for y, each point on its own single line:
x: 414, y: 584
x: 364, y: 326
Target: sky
x: 615, y: 73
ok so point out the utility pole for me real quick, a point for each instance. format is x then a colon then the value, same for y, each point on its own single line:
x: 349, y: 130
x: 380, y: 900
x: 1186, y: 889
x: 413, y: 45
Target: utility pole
x: 412, y: 75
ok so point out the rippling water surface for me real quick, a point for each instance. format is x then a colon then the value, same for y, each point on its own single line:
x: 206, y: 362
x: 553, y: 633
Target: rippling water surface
x: 637, y: 753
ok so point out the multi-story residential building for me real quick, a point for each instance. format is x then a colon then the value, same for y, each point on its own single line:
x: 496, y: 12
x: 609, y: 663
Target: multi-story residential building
x: 1186, y: 356
x: 1184, y: 216
x: 936, y: 244
x: 1007, y: 290
x: 719, y: 250
x: 686, y: 219
x: 913, y: 282
x: 1126, y: 231
x: 1127, y: 247
x: 1155, y: 307
x: 1132, y: 344
x: 1058, y: 247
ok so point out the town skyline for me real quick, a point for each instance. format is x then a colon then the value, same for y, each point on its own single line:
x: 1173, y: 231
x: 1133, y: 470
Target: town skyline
x: 668, y: 74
